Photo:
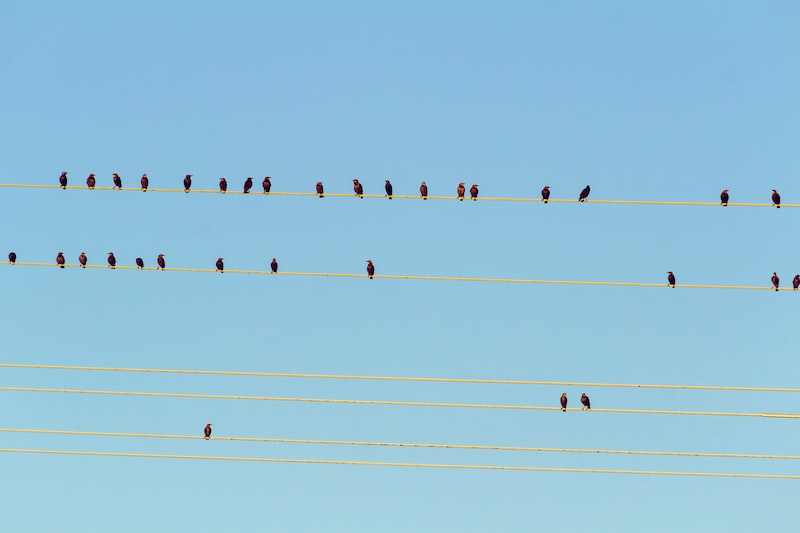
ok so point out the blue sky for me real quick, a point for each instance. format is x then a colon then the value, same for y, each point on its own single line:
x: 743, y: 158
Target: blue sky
x: 658, y: 101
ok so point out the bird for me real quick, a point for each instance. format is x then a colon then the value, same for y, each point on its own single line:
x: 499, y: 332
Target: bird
x: 12, y: 257
x: 207, y: 431
x: 82, y: 259
x: 358, y: 188
x: 139, y: 263
x: 274, y: 266
x: 671, y: 279
x: 795, y: 281
x: 187, y: 183
x: 388, y: 188
x: 423, y: 191
x: 117, y: 180
x: 91, y: 182
x: 145, y: 182
x: 248, y: 184
x: 370, y: 269
x: 473, y: 191
x: 723, y: 197
x: 546, y: 193
x: 585, y: 401
x: 60, y: 259
x: 564, y: 401
x: 460, y: 191
x: 220, y: 265
x: 584, y: 194
x: 161, y: 263
x: 62, y: 179
x: 320, y: 190
x: 266, y: 184
x: 112, y: 261
x: 223, y: 185
x: 776, y: 281
x: 776, y: 199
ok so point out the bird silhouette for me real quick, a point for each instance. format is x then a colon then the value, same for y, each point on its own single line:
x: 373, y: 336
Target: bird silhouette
x: 207, y: 431
x: 91, y: 182
x: 423, y: 191
x: 776, y: 199
x: 274, y: 266
x: 358, y: 188
x: 12, y: 257
x: 60, y: 261
x: 370, y: 269
x: 139, y: 263
x: 112, y: 261
x: 473, y: 191
x: 320, y: 190
x: 266, y: 184
x: 248, y: 184
x: 776, y: 281
x: 161, y: 263
x: 187, y: 183
x: 546, y: 194
x: 62, y: 180
x: 724, y: 197
x: 117, y: 180
x: 460, y: 190
x: 584, y: 194
x: 82, y: 259
x: 795, y: 281
x: 145, y: 182
x: 585, y: 401
x: 220, y: 265
x: 388, y: 188
x: 564, y: 401
x: 223, y: 185
x: 671, y: 279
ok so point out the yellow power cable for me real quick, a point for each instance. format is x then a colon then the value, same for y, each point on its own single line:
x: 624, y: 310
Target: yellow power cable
x: 393, y: 378
x: 403, y: 444
x: 385, y: 402
x: 407, y: 465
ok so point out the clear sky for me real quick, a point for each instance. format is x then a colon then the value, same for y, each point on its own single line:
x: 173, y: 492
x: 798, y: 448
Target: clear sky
x: 642, y: 100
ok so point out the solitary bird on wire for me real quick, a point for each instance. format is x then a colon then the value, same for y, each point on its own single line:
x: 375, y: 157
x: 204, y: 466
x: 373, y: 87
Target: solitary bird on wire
x: 220, y: 265
x: 723, y: 198
x: 117, y: 180
x: 370, y: 269
x: 187, y: 183
x: 207, y: 431
x: 795, y: 281
x: 584, y: 194
x: 776, y: 199
x: 473, y: 191
x: 223, y: 185
x: 248, y: 184
x: 139, y: 263
x: 358, y: 188
x: 145, y: 182
x: 564, y: 402
x: 423, y: 191
x: 671, y: 279
x: 266, y: 184
x: 585, y: 401
x: 112, y: 261
x: 274, y: 266
x: 161, y: 263
x: 546, y: 194
x: 60, y: 259
x: 91, y: 182
x: 460, y: 191
x: 320, y: 190
x: 62, y: 180
x: 12, y: 257
x: 388, y: 188
x: 776, y: 281
x: 82, y: 259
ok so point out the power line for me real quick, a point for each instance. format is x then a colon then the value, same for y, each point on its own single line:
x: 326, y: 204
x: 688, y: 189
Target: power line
x: 403, y: 444
x: 411, y: 277
x: 393, y: 378
x: 407, y: 465
x: 387, y: 402
x: 404, y: 197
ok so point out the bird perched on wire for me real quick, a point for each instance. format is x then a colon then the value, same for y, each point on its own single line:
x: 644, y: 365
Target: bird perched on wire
x: 585, y: 401
x: 473, y: 191
x: 564, y: 401
x: 546, y: 194
x: 187, y: 183
x: 91, y: 182
x: 112, y: 261
x: 274, y: 266
x: 248, y: 184
x: 776, y: 199
x: 161, y: 263
x: 460, y: 191
x: 220, y: 265
x: 388, y: 188
x: 117, y: 180
x: 724, y: 197
x: 671, y: 279
x: 60, y: 259
x: 266, y: 184
x: 207, y: 431
x: 223, y: 185
x: 139, y: 263
x: 145, y: 182
x: 12, y: 257
x: 82, y: 259
x: 776, y: 281
x: 320, y: 190
x: 358, y: 188
x: 584, y: 194
x: 62, y: 180
x: 795, y: 281
x: 370, y: 269
x: 423, y: 191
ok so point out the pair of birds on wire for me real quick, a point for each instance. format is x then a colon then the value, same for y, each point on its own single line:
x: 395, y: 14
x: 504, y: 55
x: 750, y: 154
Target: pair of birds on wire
x: 724, y: 197
x: 776, y: 281
x: 144, y: 182
x: 587, y: 404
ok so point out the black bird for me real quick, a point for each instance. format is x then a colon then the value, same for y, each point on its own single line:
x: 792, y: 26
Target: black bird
x: 564, y: 401
x: 423, y: 191
x: 187, y: 183
x: 671, y: 279
x: 248, y: 184
x: 223, y: 185
x: 776, y: 199
x: 117, y: 180
x: 145, y: 182
x: 388, y: 188
x: 220, y: 265
x: 795, y: 281
x: 274, y: 266
x: 112, y: 261
x: 12, y: 257
x: 161, y: 263
x: 585, y: 401
x: 320, y: 190
x: 266, y: 184
x: 460, y: 191
x: 584, y: 194
x: 139, y: 263
x: 62, y: 180
x: 60, y: 259
x: 776, y: 281
x: 91, y: 182
x: 82, y: 259
x: 207, y: 431
x: 723, y: 197
x: 370, y: 269
x: 546, y: 194
x: 473, y: 191
x: 358, y: 188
